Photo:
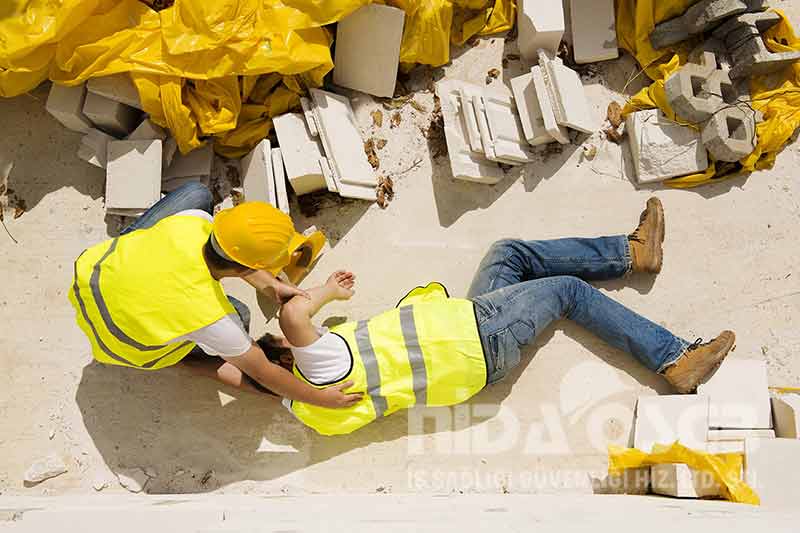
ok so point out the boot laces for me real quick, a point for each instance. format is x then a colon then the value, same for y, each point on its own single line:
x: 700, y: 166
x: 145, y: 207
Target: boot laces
x: 642, y: 221
x: 695, y: 345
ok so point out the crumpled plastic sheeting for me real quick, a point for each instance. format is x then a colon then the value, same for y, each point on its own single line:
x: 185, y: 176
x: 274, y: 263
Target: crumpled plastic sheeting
x: 777, y: 96
x: 725, y: 467
x: 215, y: 69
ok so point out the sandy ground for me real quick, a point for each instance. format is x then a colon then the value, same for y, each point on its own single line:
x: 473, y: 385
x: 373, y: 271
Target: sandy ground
x: 731, y: 262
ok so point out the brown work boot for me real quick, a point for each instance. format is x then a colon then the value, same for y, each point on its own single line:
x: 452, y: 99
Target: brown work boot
x: 645, y: 241
x: 698, y: 362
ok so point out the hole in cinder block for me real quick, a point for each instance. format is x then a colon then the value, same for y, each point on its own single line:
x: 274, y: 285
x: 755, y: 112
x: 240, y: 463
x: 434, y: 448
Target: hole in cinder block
x: 729, y: 93
x: 736, y: 129
x: 697, y: 84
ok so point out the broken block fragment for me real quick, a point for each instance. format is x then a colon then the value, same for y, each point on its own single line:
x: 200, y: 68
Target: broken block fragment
x: 112, y: 117
x: 117, y: 87
x: 258, y: 180
x: 133, y: 176
x: 530, y: 112
x: 368, y: 49
x: 739, y: 396
x: 66, y: 106
x: 680, y: 481
x: 594, y: 30
x: 662, y: 149
x: 301, y: 153
x: 540, y: 25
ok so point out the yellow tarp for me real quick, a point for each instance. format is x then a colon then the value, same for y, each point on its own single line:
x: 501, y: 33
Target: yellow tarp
x: 726, y: 468
x: 778, y: 99
x: 217, y: 69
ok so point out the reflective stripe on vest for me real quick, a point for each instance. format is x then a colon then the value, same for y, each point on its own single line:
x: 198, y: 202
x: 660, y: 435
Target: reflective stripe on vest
x: 415, y: 357
x: 370, y: 362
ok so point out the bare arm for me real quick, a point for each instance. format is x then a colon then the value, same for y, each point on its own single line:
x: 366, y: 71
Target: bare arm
x: 275, y: 289
x: 295, y: 319
x: 255, y: 364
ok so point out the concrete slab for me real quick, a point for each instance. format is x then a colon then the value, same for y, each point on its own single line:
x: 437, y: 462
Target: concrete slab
x: 540, y: 25
x: 133, y: 174
x: 117, y: 87
x: 112, y: 117
x: 594, y: 30
x: 669, y: 418
x: 500, y: 128
x: 556, y: 130
x: 530, y: 112
x: 662, y: 149
x: 66, y: 105
x: 258, y: 179
x: 786, y: 415
x: 680, y: 481
x: 279, y: 174
x: 739, y: 395
x: 301, y: 153
x: 771, y: 470
x: 368, y: 49
x: 198, y: 162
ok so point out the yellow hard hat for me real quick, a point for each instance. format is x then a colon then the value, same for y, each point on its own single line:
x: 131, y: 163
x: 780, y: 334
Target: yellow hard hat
x: 253, y: 234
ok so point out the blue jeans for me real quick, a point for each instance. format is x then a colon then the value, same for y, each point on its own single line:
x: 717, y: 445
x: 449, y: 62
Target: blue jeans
x: 522, y: 286
x: 192, y: 195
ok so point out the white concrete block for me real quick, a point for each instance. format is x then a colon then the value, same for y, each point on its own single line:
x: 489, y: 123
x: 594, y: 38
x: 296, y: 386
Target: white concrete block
x: 465, y: 164
x: 662, y: 149
x: 308, y: 113
x: 680, y: 481
x: 739, y: 395
x: 279, y: 173
x: 556, y: 131
x: 530, y: 112
x: 117, y: 87
x: 786, y: 416
x: 301, y: 153
x: 148, y: 130
x: 110, y: 116
x: 258, y: 180
x: 368, y: 49
x: 726, y: 446
x: 342, y: 140
x: 670, y: 418
x: 133, y: 174
x: 718, y: 435
x: 198, y: 162
x: 771, y: 470
x: 567, y: 95
x: 94, y: 147
x: 66, y: 106
x: 501, y: 130
x: 594, y: 30
x: 540, y: 24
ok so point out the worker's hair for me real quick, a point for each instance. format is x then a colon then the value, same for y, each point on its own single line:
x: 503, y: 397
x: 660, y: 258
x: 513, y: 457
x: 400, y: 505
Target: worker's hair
x: 217, y: 262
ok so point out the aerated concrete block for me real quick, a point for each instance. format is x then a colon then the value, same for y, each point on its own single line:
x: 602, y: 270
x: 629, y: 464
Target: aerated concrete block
x: 540, y: 25
x: 594, y: 30
x: 258, y: 179
x: 301, y: 153
x: 530, y: 112
x: 739, y: 397
x: 117, y: 87
x: 730, y: 134
x: 662, y: 149
x: 368, y: 49
x: 501, y: 131
x: 546, y: 104
x: 281, y: 195
x: 681, y: 481
x: 670, y: 418
x: 721, y: 435
x: 771, y: 466
x: 786, y: 416
x: 66, y: 106
x: 112, y: 117
x: 567, y: 95
x: 94, y: 147
x: 198, y: 162
x: 148, y: 130
x: 133, y: 174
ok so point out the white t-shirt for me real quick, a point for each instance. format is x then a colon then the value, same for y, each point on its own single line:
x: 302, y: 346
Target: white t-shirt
x: 226, y: 336
x: 324, y: 362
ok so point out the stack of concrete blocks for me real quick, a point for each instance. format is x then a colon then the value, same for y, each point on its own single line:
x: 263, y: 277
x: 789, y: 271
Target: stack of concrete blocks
x: 195, y: 166
x: 483, y: 128
x: 263, y: 177
x: 704, y: 95
x: 664, y: 420
x: 594, y: 30
x: 700, y: 17
x: 133, y: 176
x: 540, y: 25
x: 368, y: 49
x: 550, y: 99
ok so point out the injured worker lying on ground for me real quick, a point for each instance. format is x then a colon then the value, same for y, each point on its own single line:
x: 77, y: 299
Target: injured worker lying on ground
x: 435, y: 350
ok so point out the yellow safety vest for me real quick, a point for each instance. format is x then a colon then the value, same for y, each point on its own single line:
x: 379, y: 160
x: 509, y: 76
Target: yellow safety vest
x: 135, y: 294
x: 427, y: 351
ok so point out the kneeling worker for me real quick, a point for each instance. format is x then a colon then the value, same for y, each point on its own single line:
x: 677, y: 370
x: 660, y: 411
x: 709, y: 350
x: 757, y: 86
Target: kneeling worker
x: 436, y: 350
x: 148, y: 298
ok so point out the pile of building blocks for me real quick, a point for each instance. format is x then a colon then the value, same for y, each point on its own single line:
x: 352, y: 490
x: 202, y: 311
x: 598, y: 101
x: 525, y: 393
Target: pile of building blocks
x: 541, y: 25
x: 730, y: 414
x: 323, y: 148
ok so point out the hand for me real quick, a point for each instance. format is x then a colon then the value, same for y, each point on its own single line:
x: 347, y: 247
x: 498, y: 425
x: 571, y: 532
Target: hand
x: 341, y: 283
x: 285, y: 292
x: 334, y: 396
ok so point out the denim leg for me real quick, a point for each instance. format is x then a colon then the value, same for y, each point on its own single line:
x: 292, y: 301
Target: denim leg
x: 192, y: 195
x: 510, y: 317
x: 512, y: 261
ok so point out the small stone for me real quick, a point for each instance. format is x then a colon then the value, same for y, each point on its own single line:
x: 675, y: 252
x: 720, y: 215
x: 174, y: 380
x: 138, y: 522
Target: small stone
x: 49, y: 467
x: 51, y: 434
x: 589, y: 151
x: 133, y: 479
x: 99, y: 483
